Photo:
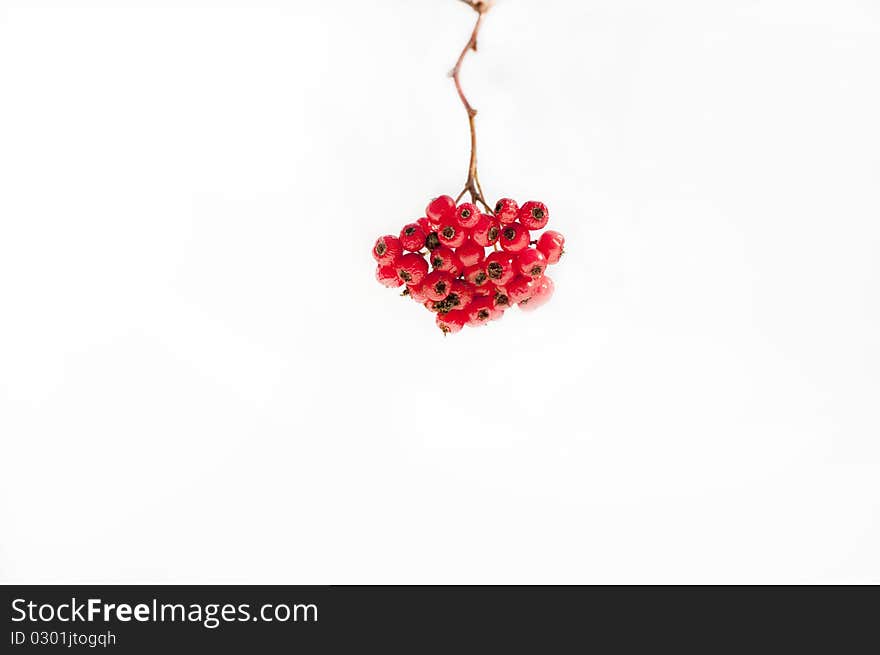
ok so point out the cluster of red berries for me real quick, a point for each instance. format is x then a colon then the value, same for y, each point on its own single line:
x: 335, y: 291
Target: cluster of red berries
x: 465, y: 285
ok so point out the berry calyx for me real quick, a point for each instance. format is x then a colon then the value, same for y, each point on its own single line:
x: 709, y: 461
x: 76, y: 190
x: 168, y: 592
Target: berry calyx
x: 387, y: 249
x: 533, y: 215
x: 552, y: 244
x: 514, y: 237
x: 470, y: 253
x: 499, y: 268
x: 432, y: 241
x: 506, y: 210
x: 467, y: 215
x: 450, y: 302
x: 437, y: 285
x: 440, y: 209
x: 412, y: 237
x: 486, y: 231
x: 411, y: 268
x: 531, y: 263
x: 500, y: 300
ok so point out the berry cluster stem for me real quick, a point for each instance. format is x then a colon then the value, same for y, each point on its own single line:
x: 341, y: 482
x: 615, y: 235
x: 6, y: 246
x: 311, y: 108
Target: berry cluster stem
x: 472, y: 184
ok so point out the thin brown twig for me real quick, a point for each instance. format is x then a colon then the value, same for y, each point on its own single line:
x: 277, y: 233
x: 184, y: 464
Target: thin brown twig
x: 472, y: 183
x: 480, y: 189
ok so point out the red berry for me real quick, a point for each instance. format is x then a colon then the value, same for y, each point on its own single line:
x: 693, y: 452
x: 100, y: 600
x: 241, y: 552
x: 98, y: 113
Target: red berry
x: 417, y: 292
x: 467, y: 215
x: 437, y: 285
x: 387, y: 249
x: 412, y: 237
x: 425, y: 225
x: 464, y: 292
x: 486, y: 231
x: 432, y: 225
x: 387, y: 276
x: 542, y: 291
x: 505, y: 210
x: 440, y: 208
x: 411, y: 268
x: 482, y: 310
x: 476, y: 275
x: 514, y: 237
x: 444, y: 259
x: 499, y: 268
x: 534, y: 215
x: 451, y: 234
x: 452, y: 321
x: 531, y: 263
x: 519, y: 289
x: 470, y: 253
x: 551, y: 244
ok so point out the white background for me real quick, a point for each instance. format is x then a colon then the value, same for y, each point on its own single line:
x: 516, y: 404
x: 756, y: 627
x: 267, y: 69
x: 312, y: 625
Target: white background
x: 200, y: 380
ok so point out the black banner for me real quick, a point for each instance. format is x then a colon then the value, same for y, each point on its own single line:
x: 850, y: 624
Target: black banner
x: 268, y: 619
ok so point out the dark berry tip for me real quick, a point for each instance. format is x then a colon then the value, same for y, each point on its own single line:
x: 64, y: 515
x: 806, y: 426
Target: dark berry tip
x: 483, y: 314
x: 410, y: 231
x: 536, y: 270
x: 537, y: 212
x: 448, y: 231
x: 445, y: 305
x: 509, y: 233
x: 381, y: 248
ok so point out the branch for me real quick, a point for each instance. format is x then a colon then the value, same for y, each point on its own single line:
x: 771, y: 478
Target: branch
x: 472, y: 184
